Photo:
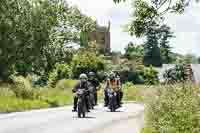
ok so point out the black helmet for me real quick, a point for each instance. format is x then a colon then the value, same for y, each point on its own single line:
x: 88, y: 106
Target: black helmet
x: 91, y: 74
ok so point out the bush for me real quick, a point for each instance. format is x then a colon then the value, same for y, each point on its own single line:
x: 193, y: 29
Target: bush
x: 61, y: 71
x: 174, y: 75
x: 150, y: 75
x: 175, y: 110
x: 138, y: 92
x: 66, y: 84
x: 21, y: 96
x: 142, y: 75
x: 56, y: 97
x: 86, y: 61
x: 5, y: 91
x: 22, y: 88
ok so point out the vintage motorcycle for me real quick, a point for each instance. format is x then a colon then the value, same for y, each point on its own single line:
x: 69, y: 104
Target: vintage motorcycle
x: 81, y: 104
x: 112, y: 104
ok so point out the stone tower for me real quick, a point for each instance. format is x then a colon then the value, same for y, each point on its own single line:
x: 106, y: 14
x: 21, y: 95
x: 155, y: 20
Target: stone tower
x: 102, y: 37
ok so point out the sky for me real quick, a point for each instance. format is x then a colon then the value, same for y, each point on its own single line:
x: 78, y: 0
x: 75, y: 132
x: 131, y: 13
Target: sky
x: 186, y: 27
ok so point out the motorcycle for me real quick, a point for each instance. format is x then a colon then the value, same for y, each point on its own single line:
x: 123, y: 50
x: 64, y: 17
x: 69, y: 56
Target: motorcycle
x: 81, y: 104
x: 112, y: 104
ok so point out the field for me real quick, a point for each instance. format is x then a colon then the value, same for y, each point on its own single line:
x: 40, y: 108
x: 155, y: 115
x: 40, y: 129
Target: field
x: 22, y: 96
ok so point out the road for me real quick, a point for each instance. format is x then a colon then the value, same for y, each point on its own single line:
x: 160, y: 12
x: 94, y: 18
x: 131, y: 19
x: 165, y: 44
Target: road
x: 128, y: 119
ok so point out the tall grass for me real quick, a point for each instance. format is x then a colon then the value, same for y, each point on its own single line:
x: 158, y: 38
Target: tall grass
x: 138, y: 93
x: 174, y: 110
x: 13, y: 104
x: 21, y: 95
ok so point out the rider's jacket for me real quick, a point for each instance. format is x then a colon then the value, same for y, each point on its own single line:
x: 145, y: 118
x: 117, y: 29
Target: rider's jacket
x: 113, y: 84
x: 80, y: 85
x: 94, y: 83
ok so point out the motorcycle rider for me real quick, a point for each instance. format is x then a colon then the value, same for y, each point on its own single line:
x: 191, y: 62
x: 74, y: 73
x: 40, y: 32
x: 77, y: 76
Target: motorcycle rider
x: 83, y: 84
x: 114, y: 84
x: 95, y: 83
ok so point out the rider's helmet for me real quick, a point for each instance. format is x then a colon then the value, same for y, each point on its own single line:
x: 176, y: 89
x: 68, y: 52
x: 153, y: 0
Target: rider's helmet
x: 91, y: 75
x: 83, y: 77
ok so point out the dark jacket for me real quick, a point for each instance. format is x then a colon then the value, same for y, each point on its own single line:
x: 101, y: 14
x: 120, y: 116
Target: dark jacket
x: 80, y: 85
x: 94, y: 82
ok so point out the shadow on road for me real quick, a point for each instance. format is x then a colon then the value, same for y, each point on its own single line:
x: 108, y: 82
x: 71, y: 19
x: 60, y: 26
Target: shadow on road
x: 115, y: 111
x: 87, y: 117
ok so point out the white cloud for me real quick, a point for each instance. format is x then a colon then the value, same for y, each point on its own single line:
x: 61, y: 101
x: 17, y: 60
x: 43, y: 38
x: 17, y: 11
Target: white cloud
x: 95, y: 8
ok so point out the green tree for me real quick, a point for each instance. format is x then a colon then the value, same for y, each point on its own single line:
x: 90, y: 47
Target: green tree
x: 87, y: 60
x: 164, y: 35
x: 61, y: 71
x: 147, y: 12
x: 190, y: 59
x: 33, y: 34
x: 134, y: 51
x: 24, y: 32
x: 152, y: 55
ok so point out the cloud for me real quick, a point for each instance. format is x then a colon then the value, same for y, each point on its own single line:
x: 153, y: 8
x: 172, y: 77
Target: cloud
x: 185, y: 42
x: 95, y: 8
x: 185, y: 26
x: 186, y: 29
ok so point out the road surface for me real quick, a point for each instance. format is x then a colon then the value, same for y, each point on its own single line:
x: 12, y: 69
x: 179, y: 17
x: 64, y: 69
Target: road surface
x: 128, y: 119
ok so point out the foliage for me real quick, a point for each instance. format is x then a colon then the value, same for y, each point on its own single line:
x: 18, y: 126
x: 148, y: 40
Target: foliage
x: 66, y: 84
x: 23, y: 88
x: 61, y: 71
x: 131, y: 92
x: 35, y: 43
x: 143, y: 18
x: 150, y: 76
x: 140, y: 75
x: 21, y: 96
x: 134, y: 51
x: 56, y: 98
x: 147, y: 13
x: 152, y: 55
x: 174, y: 75
x: 165, y: 34
x: 131, y: 76
x: 176, y: 109
x: 5, y: 91
x: 86, y: 60
x: 139, y: 93
x: 24, y: 32
x: 190, y: 59
x: 157, y: 47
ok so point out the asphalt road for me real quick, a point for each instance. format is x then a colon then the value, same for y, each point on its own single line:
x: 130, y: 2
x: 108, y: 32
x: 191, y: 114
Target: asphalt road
x: 128, y: 119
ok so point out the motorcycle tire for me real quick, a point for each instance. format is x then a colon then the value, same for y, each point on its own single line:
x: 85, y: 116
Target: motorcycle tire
x: 112, y: 107
x: 79, y: 110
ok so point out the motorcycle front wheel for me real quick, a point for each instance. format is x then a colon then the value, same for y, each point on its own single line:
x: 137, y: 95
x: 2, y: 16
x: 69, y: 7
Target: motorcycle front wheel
x: 79, y: 109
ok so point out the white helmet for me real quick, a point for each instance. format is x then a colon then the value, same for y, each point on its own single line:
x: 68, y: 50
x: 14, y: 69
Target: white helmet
x: 83, y: 76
